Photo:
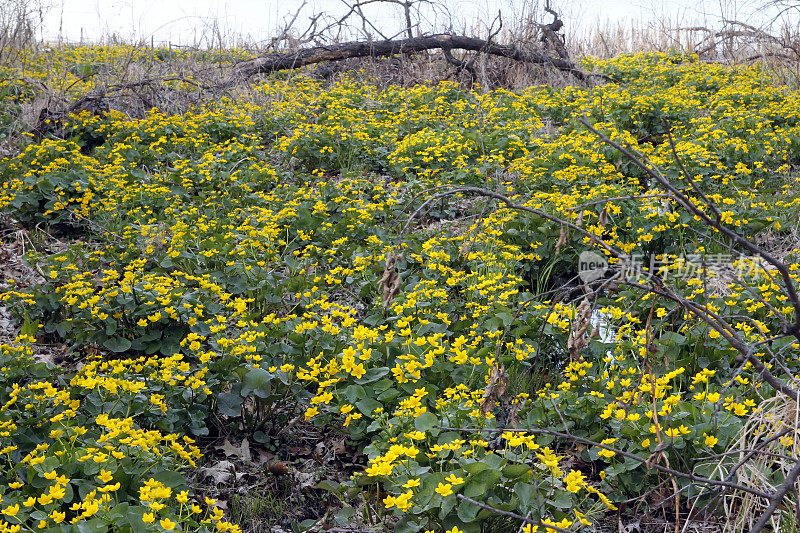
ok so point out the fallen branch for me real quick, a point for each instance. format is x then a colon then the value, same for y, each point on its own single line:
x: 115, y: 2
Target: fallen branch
x: 444, y: 42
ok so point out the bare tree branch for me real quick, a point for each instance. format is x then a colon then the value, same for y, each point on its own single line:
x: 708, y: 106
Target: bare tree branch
x: 776, y: 500
x: 284, y: 61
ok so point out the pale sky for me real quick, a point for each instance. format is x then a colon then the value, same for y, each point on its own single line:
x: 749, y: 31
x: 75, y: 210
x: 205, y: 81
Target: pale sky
x: 194, y: 21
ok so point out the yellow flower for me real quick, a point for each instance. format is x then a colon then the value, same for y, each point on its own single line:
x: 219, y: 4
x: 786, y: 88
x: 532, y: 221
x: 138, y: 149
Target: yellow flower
x: 11, y: 510
x: 564, y: 524
x: 167, y: 524
x: 415, y: 435
x: 403, y: 502
x: 110, y: 488
x: 574, y: 481
x: 411, y: 483
x: 445, y: 489
x: 604, y: 452
x: 582, y: 518
x: 711, y: 441
x: 389, y: 501
x: 148, y: 518
x: 452, y: 478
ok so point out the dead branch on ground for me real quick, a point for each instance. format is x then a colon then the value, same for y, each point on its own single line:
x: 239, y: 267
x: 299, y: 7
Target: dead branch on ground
x: 445, y: 42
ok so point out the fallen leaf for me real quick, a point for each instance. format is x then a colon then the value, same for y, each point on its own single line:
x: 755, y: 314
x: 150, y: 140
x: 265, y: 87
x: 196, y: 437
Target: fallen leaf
x: 563, y: 238
x: 299, y: 451
x: 244, y: 451
x: 221, y: 472
x: 577, y: 340
x: 304, y: 480
x: 495, y: 389
x: 264, y: 456
x: 229, y: 449
x: 603, y: 217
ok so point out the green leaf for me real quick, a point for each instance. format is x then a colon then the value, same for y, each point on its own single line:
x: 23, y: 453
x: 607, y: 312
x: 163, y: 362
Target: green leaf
x: 388, y: 395
x: 514, y: 471
x: 257, y: 382
x: 332, y: 487
x: 474, y: 468
x: 373, y: 374
x: 479, y: 484
x: 174, y: 480
x: 92, y: 526
x: 528, y: 495
x: 367, y: 406
x: 428, y: 489
x: 229, y: 404
x: 563, y: 500
x: 62, y: 328
x: 467, y: 511
x: 493, y: 460
x: 354, y: 392
x: 344, y: 516
x: 448, y: 502
x: 409, y: 524
x: 426, y: 421
x: 453, y: 521
x: 505, y: 318
x: 117, y: 344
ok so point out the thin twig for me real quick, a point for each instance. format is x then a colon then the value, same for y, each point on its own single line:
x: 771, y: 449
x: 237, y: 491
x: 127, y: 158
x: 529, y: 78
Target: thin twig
x: 512, y: 515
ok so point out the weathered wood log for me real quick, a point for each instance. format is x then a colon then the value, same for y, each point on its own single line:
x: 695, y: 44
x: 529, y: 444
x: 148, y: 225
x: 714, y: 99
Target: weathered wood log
x: 445, y: 42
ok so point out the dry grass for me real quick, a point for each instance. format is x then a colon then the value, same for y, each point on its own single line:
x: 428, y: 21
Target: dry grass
x: 775, y: 49
x: 17, y: 28
x: 772, y: 430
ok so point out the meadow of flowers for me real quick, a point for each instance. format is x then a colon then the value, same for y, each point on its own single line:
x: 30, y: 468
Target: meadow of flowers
x: 224, y: 270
